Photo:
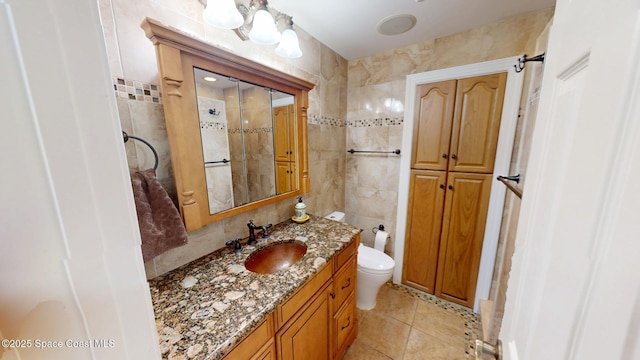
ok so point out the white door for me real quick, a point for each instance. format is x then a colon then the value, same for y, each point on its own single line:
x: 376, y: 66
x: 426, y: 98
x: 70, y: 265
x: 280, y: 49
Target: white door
x: 71, y: 270
x: 574, y: 288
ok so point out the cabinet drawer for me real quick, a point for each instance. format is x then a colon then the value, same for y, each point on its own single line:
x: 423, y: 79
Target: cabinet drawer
x: 344, y: 282
x: 297, y: 301
x: 344, y: 325
x: 344, y: 254
x: 254, y: 342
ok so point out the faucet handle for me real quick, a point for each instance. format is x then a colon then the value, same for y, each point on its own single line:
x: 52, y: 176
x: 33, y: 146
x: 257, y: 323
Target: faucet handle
x: 236, y: 245
x: 251, y: 225
x: 264, y: 228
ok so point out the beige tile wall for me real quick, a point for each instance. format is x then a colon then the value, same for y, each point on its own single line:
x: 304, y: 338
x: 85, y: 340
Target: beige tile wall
x: 132, y: 57
x: 376, y: 91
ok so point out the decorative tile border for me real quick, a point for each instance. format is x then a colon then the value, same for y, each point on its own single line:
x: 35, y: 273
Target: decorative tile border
x: 471, y: 320
x: 136, y: 90
x: 213, y: 125
x: 324, y: 120
x: 263, y: 130
x: 395, y: 121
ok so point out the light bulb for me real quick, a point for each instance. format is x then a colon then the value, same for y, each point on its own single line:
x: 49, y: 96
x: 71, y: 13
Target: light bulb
x: 264, y: 29
x: 222, y: 14
x: 289, y: 46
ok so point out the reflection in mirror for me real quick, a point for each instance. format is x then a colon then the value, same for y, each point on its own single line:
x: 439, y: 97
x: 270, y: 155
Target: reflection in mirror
x: 248, y: 140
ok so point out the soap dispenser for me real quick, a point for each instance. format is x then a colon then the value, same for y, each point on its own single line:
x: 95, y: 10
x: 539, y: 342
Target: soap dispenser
x: 301, y: 210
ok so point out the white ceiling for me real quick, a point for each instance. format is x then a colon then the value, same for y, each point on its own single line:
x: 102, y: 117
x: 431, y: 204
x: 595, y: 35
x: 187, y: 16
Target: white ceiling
x: 349, y: 26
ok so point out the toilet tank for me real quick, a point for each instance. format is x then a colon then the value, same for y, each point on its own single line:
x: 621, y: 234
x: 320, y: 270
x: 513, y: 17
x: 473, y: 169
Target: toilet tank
x: 336, y: 215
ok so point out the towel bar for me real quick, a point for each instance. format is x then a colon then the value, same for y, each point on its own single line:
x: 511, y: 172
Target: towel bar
x: 126, y: 138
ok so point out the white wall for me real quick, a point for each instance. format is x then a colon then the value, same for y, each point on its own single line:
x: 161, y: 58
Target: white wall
x: 70, y: 264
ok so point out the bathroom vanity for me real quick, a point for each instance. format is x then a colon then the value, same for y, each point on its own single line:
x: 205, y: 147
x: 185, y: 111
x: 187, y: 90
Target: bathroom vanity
x: 214, y: 308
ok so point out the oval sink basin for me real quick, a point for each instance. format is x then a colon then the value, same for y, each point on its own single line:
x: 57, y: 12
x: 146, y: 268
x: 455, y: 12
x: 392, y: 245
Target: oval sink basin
x: 276, y: 257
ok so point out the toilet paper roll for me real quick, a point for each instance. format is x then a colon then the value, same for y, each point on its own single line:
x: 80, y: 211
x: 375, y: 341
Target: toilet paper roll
x: 381, y: 240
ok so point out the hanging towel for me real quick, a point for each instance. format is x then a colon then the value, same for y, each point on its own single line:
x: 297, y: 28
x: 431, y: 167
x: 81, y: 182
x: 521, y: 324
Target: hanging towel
x: 161, y: 226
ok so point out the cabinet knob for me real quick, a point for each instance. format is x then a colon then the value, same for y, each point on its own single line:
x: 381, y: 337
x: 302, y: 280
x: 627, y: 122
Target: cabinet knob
x: 441, y: 186
x: 450, y: 187
x: 444, y: 156
x: 453, y: 156
x: 333, y: 295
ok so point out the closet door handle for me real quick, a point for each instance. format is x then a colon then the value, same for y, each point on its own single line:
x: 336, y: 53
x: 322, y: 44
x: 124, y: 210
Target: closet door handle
x: 453, y: 156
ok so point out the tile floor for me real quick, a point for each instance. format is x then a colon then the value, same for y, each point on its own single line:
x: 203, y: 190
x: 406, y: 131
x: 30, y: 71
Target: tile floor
x: 410, y: 325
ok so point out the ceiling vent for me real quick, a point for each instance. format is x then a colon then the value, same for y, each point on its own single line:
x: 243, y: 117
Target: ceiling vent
x: 396, y: 24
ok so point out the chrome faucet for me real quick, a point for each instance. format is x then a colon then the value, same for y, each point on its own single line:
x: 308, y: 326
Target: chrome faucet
x: 252, y: 235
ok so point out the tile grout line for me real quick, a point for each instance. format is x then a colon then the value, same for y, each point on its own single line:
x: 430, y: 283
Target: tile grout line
x: 471, y: 320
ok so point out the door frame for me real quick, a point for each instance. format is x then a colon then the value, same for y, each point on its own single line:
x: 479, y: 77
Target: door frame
x: 506, y: 137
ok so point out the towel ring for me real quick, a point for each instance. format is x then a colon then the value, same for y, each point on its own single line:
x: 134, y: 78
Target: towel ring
x: 126, y: 138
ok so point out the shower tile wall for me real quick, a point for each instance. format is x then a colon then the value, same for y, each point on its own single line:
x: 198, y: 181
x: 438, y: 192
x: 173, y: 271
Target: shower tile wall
x: 376, y: 101
x: 257, y: 130
x: 132, y: 58
x: 215, y: 147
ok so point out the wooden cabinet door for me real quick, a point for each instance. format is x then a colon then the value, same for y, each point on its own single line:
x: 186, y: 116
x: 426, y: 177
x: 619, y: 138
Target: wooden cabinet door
x: 462, y: 236
x: 283, y: 176
x: 284, y: 133
x: 268, y: 352
x: 432, y: 132
x: 308, y: 336
x: 424, y: 220
x: 476, y: 123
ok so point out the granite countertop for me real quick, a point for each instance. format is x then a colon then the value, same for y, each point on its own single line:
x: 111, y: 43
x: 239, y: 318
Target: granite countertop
x: 206, y: 307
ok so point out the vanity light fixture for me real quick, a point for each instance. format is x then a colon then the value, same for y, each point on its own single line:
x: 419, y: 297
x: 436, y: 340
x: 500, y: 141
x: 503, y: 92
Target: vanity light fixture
x: 255, y: 22
x: 222, y: 14
x: 263, y: 30
x: 289, y: 46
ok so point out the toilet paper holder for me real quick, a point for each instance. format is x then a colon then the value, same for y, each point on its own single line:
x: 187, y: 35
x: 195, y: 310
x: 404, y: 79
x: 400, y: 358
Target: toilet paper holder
x: 375, y: 229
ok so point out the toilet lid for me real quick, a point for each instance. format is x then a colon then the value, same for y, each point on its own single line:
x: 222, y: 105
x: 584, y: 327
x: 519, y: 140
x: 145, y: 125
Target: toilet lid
x: 373, y: 259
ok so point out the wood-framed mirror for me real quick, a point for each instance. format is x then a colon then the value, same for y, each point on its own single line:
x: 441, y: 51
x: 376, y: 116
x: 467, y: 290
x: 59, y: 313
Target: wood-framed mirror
x: 237, y: 141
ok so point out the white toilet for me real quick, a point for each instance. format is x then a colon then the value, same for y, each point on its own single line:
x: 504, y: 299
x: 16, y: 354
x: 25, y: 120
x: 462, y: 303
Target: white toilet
x: 374, y: 269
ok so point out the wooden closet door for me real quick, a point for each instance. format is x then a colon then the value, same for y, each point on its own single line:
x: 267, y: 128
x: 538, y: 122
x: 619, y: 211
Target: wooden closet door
x: 476, y: 123
x: 426, y: 204
x: 432, y: 132
x: 281, y: 136
x: 462, y: 236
